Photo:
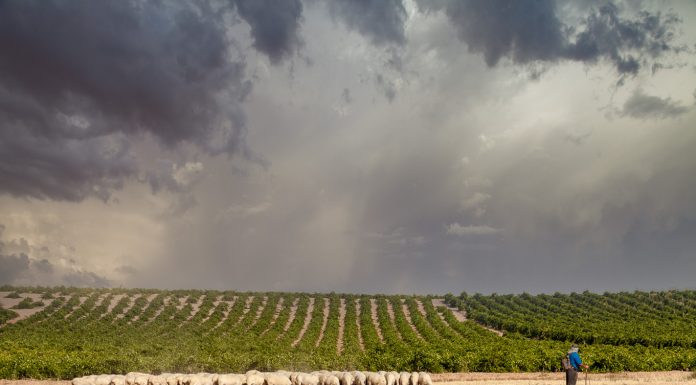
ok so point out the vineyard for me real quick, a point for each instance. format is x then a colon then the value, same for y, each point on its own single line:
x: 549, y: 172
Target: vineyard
x: 69, y: 332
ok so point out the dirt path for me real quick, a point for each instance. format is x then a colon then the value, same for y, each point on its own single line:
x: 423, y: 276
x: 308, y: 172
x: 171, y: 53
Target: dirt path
x: 147, y: 305
x: 460, y: 315
x: 421, y: 308
x: 392, y: 319
x: 131, y: 303
x: 357, y: 322
x: 165, y: 303
x: 633, y: 378
x: 82, y: 300
x: 407, y: 315
x: 276, y: 314
x: 194, y: 308
x: 341, y: 325
x: 259, y: 311
x: 114, y: 301
x: 226, y: 312
x: 293, y: 312
x: 624, y: 378
x: 325, y: 321
x: 216, y: 303
x: 375, y: 319
x: 308, y: 319
x: 8, y: 303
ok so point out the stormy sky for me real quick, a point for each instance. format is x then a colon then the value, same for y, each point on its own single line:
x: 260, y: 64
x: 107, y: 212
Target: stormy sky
x: 391, y: 146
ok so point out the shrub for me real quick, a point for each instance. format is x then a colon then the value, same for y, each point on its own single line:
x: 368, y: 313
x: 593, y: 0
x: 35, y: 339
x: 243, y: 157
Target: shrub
x: 6, y: 315
x: 28, y: 303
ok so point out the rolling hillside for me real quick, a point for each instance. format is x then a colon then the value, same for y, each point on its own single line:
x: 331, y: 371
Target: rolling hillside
x: 69, y: 332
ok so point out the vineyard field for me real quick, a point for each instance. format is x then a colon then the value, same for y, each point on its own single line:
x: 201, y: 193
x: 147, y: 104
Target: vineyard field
x: 61, y: 333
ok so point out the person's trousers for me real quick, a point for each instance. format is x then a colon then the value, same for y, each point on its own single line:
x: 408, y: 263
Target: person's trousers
x: 571, y: 376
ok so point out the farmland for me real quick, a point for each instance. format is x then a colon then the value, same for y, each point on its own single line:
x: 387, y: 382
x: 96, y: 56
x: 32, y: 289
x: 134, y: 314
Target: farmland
x: 67, y: 332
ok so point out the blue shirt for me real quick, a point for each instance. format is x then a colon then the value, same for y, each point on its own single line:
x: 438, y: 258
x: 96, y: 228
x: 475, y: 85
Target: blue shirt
x: 575, y: 360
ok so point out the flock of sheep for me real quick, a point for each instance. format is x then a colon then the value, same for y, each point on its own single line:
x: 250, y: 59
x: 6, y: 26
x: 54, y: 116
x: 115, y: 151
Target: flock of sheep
x: 253, y: 377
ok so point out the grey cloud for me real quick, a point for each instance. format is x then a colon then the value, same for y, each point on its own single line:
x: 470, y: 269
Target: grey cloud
x: 84, y: 279
x: 382, y: 21
x: 522, y: 30
x: 460, y: 230
x: 126, y: 270
x: 386, y: 86
x: 624, y: 42
x: 529, y: 31
x: 62, y: 169
x: 12, y: 267
x: 44, y: 266
x: 345, y: 96
x: 274, y: 26
x: 642, y: 106
x: 26, y: 269
x: 84, y: 78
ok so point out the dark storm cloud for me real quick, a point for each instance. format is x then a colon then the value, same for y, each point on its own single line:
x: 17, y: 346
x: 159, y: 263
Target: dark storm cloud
x: 528, y: 31
x: 12, y: 266
x: 642, y: 106
x: 381, y: 21
x: 626, y: 43
x: 274, y: 26
x: 59, y: 168
x: 522, y: 30
x: 79, y: 79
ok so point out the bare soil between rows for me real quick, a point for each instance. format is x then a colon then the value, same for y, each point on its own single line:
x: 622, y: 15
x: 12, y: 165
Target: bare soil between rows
x: 625, y: 378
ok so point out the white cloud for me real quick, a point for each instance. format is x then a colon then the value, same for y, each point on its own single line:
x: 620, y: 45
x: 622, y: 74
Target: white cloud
x: 459, y: 230
x: 476, y: 203
x: 186, y: 174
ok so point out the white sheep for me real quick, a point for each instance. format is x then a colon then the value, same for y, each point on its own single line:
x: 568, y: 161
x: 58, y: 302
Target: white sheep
x: 276, y: 379
x: 231, y: 379
x: 375, y: 379
x: 390, y: 377
x: 130, y: 378
x: 157, y: 380
x: 185, y: 379
x: 254, y: 377
x: 424, y: 379
x: 172, y: 379
x: 200, y: 379
x: 330, y: 379
x: 404, y: 378
x: 346, y: 379
x: 103, y: 379
x: 293, y: 378
x: 414, y: 378
x: 141, y: 379
x: 252, y: 371
x: 308, y: 379
x: 84, y: 380
x: 118, y: 379
x: 359, y: 378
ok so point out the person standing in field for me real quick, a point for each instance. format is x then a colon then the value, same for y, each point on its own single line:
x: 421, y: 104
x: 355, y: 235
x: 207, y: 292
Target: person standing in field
x: 575, y: 365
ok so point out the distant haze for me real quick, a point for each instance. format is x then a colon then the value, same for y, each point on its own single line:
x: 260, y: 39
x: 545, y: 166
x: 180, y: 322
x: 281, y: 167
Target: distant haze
x: 350, y: 146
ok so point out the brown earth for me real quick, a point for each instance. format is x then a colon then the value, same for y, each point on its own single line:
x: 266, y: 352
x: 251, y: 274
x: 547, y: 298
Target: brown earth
x: 308, y: 319
x: 633, y: 378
